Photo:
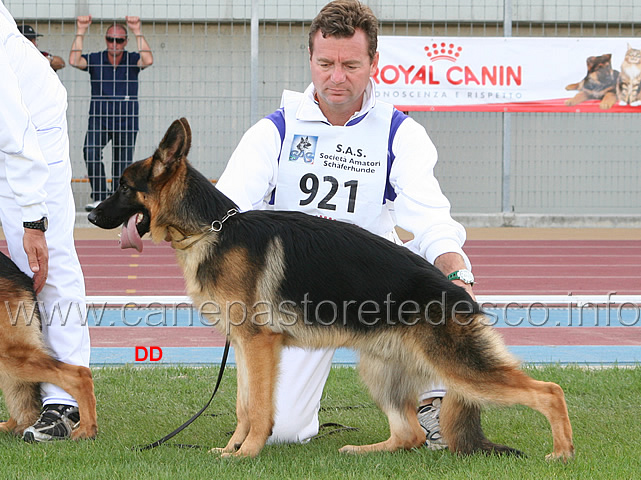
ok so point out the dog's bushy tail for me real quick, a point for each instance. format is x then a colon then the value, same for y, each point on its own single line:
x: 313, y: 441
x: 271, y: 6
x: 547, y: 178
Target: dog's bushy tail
x: 461, y: 429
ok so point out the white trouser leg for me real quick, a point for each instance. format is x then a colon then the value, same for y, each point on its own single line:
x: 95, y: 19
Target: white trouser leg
x: 433, y: 391
x: 64, y: 323
x: 302, y: 377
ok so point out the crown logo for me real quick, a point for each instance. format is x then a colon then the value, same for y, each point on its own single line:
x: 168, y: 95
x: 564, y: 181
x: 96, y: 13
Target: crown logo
x: 443, y: 51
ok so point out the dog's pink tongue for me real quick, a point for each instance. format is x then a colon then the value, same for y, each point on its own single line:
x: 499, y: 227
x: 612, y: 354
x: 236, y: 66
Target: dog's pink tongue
x: 129, y: 237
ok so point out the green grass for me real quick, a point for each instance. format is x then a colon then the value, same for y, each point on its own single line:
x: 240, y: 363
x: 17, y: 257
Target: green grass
x: 140, y: 405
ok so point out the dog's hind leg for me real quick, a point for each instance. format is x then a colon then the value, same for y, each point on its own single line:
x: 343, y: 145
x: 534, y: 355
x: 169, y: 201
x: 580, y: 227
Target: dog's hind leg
x: 37, y: 367
x: 460, y: 423
x: 486, y: 372
x: 394, y: 389
x: 23, y: 402
x: 503, y: 385
x: 515, y: 387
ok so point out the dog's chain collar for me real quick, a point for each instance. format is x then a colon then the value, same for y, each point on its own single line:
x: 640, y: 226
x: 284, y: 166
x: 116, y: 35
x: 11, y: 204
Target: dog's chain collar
x: 217, y: 225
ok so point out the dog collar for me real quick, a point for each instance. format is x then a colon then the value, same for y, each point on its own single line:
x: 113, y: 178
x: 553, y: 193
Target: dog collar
x: 188, y: 241
x: 217, y: 225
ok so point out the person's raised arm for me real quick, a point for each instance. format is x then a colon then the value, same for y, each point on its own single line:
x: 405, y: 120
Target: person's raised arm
x: 75, y: 56
x: 146, y: 57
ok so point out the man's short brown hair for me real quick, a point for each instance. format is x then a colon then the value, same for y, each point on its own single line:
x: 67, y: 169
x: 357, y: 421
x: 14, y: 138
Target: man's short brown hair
x: 341, y: 18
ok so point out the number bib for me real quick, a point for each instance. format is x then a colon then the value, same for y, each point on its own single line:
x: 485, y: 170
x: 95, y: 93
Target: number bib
x: 335, y: 172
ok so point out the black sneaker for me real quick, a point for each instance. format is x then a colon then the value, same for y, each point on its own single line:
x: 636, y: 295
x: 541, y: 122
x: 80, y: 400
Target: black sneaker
x: 56, y: 422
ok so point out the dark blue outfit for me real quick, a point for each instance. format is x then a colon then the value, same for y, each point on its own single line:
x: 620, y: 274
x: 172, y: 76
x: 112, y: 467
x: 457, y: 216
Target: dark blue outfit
x: 113, y: 115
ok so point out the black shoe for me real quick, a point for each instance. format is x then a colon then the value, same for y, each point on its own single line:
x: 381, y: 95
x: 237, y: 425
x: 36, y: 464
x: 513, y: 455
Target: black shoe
x: 56, y: 422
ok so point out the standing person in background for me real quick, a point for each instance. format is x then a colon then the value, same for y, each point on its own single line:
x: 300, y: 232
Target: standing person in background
x: 56, y: 62
x: 37, y: 212
x: 113, y: 113
x: 374, y: 155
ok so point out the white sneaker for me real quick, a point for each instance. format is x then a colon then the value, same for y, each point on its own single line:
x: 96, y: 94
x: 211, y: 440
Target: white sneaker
x: 428, y: 417
x: 56, y: 422
x: 90, y: 206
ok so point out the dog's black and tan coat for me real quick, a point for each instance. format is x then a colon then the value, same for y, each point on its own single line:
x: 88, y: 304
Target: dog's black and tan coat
x: 272, y: 279
x: 25, y: 361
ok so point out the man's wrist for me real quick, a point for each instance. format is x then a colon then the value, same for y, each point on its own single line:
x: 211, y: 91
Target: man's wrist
x: 33, y: 233
x: 37, y: 225
x: 463, y: 275
x: 461, y: 283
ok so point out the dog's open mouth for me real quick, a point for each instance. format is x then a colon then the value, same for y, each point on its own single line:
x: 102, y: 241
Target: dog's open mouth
x: 133, y: 230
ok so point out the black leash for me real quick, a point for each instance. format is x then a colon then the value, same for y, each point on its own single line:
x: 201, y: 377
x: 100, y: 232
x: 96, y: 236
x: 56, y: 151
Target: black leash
x: 338, y: 427
x: 157, y: 443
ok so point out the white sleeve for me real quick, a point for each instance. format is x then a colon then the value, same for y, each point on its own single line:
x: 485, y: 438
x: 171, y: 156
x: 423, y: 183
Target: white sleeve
x: 26, y: 170
x: 420, y: 206
x: 250, y: 175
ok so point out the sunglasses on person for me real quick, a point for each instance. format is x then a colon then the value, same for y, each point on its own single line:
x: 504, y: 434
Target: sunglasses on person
x: 119, y: 40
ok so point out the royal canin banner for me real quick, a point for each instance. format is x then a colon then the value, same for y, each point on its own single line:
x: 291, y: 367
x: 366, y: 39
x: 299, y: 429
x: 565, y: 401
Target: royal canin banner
x: 511, y: 74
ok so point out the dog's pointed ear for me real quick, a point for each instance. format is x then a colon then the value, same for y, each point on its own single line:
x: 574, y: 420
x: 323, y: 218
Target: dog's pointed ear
x: 175, y: 144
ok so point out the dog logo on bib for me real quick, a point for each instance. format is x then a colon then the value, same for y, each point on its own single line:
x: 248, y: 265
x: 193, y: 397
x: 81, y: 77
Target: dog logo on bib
x: 303, y: 148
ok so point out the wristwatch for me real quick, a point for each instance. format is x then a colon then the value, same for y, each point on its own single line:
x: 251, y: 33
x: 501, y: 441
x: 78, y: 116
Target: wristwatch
x: 41, y: 224
x: 464, y: 276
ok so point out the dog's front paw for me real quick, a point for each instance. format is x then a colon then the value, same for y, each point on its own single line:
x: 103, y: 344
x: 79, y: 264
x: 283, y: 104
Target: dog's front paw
x: 85, y: 433
x: 606, y: 104
x: 223, y: 452
x: 560, y: 456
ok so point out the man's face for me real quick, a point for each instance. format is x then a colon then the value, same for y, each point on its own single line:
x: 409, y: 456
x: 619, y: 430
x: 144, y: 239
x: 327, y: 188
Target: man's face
x: 116, y: 40
x: 341, y: 69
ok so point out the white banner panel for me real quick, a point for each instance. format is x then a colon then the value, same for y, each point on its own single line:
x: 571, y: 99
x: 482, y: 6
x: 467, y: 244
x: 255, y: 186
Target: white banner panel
x: 503, y: 74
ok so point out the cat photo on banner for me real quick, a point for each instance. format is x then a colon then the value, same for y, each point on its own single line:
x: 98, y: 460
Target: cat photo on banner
x: 608, y: 85
x: 628, y: 87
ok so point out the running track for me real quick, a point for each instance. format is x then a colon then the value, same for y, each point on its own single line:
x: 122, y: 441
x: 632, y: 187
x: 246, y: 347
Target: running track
x: 502, y: 267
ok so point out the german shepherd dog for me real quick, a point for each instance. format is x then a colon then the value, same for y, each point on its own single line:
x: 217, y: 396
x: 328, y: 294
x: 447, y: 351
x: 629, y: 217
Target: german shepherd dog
x: 294, y: 279
x: 599, y: 83
x: 25, y: 361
